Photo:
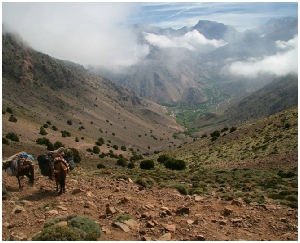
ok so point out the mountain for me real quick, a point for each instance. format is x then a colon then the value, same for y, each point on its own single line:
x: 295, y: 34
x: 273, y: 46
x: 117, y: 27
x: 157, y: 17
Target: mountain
x: 39, y: 89
x: 279, y: 95
x: 186, y: 73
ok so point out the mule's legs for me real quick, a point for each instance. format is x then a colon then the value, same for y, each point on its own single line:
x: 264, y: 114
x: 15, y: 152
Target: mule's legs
x: 19, y: 183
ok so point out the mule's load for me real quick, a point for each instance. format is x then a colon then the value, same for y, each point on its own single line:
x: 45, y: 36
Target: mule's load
x: 20, y: 164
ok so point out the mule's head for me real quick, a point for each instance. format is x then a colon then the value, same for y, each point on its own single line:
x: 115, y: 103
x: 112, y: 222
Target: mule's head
x: 6, y: 165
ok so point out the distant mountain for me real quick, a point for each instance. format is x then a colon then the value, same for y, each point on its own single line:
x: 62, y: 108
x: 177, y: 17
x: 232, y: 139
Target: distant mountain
x: 39, y: 88
x: 179, y: 75
x: 279, y: 95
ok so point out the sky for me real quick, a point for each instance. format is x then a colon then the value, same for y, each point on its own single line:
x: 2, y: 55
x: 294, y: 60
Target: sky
x: 98, y: 33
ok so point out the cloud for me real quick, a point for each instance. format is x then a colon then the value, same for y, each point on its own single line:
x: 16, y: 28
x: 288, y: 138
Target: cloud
x: 192, y: 40
x: 89, y: 34
x: 284, y: 62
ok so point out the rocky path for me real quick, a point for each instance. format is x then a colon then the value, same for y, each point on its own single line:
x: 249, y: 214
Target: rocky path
x: 152, y: 214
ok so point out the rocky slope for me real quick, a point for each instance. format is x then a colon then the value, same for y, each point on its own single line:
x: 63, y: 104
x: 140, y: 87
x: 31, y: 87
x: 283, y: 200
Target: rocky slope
x: 154, y: 214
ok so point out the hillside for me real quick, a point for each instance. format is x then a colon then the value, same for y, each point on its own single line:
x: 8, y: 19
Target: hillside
x: 39, y: 89
x: 242, y: 186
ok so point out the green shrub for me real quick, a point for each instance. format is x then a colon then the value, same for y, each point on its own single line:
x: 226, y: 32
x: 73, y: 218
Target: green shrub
x: 96, y: 150
x: 115, y: 147
x: 131, y: 165
x: 5, y: 141
x: 147, y: 164
x: 122, y: 218
x: 86, y: 225
x: 9, y: 110
x: 122, y: 162
x: 145, y: 182
x: 175, y: 164
x: 136, y: 157
x: 69, y: 122
x: 43, y: 141
x: 232, y: 129
x: 50, y: 147
x: 100, y: 166
x: 76, y: 155
x: 78, y: 228
x: 58, y: 233
x: 54, y: 128
x: 180, y: 187
x: 43, y: 131
x: 123, y: 148
x: 58, y: 144
x: 12, y: 118
x: 76, y: 139
x: 163, y: 158
x: 13, y: 137
x: 65, y: 133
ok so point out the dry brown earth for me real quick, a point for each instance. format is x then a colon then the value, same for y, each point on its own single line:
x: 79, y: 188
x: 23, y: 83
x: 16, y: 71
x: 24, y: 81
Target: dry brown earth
x: 156, y: 214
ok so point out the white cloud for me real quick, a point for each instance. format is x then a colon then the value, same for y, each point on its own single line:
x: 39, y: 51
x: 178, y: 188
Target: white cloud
x: 280, y: 64
x: 85, y: 33
x: 192, y: 40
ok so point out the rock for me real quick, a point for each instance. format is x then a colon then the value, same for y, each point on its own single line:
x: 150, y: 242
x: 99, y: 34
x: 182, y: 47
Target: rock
x: 146, y: 238
x: 26, y: 203
x: 122, y: 226
x: 17, y: 236
x: 237, y: 202
x: 130, y: 181
x: 199, y: 238
x: 222, y: 222
x: 132, y: 224
x: 284, y: 220
x: 190, y: 221
x: 182, y: 211
x: 269, y: 207
x: 77, y: 190
x: 52, y: 212
x: 236, y: 220
x: 171, y: 227
x: 165, y: 237
x: 227, y: 211
x: 126, y: 199
x: 18, y: 209
x: 89, y: 204
x: 106, y: 231
x: 150, y: 224
x: 110, y: 210
x: 62, y: 223
x: 62, y: 208
x: 198, y: 198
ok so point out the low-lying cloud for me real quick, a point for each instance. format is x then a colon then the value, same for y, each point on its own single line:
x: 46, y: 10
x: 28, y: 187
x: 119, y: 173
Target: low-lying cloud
x: 284, y: 62
x: 192, y: 40
x: 88, y: 34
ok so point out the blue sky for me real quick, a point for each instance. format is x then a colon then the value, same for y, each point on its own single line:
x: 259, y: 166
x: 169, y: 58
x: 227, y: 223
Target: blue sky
x: 96, y: 32
x: 240, y: 15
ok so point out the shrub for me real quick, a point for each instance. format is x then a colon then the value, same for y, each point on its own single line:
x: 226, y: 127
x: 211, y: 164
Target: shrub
x: 90, y: 228
x: 122, y: 218
x: 58, y: 233
x: 78, y: 228
x: 43, y: 141
x: 163, y: 158
x: 123, y: 148
x: 136, y: 157
x: 5, y: 141
x: 101, y: 166
x: 50, y: 147
x: 45, y: 125
x: 96, y: 150
x: 76, y: 139
x: 65, y: 133
x: 131, y: 165
x: 145, y: 182
x: 9, y: 110
x: 215, y: 134
x: 232, y: 129
x: 115, y: 147
x: 174, y: 164
x: 58, y: 144
x: 122, y: 162
x: 180, y: 187
x: 147, y: 164
x: 43, y: 131
x: 48, y: 122
x: 76, y: 155
x: 69, y: 122
x: 12, y: 118
x: 13, y: 137
x: 54, y: 128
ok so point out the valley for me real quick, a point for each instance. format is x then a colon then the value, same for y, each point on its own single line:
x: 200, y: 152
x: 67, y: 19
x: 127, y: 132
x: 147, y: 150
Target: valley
x: 175, y: 147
